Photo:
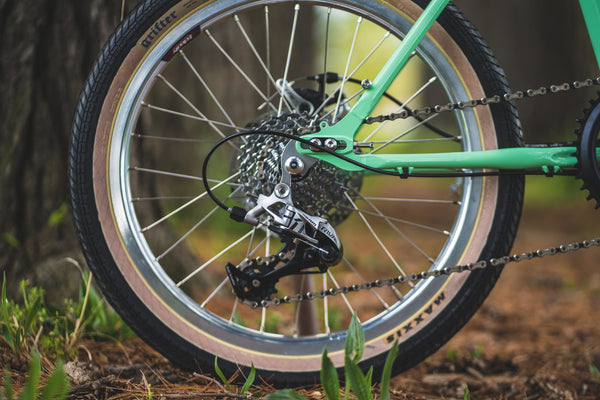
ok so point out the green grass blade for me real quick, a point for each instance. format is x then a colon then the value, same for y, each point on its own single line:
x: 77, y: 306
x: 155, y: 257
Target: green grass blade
x: 369, y: 377
x: 286, y: 394
x: 31, y: 386
x: 329, y: 378
x: 249, y: 380
x: 387, y: 371
x: 32, y: 313
x: 8, y: 332
x: 57, y: 385
x: 8, y: 390
x: 357, y: 381
x: 221, y: 375
x: 355, y: 342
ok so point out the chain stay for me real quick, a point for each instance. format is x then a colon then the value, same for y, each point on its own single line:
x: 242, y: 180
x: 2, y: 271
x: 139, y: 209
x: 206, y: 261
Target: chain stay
x: 461, y: 105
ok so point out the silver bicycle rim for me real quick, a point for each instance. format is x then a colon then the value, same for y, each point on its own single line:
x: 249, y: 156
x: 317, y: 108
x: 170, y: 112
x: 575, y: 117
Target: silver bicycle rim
x: 146, y: 255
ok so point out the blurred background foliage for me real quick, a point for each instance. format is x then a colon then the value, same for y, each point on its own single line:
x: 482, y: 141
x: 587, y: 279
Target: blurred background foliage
x: 47, y: 49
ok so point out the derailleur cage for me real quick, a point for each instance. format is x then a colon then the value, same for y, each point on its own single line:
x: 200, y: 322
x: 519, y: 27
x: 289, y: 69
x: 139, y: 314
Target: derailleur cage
x: 309, y: 242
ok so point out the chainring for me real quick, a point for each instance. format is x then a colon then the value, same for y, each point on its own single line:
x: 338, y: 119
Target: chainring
x: 587, y: 142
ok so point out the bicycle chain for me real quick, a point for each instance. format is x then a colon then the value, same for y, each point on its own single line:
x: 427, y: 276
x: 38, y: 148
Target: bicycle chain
x: 481, y: 264
x: 461, y: 105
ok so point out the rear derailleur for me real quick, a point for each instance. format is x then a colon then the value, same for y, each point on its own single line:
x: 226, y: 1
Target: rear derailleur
x: 310, y: 245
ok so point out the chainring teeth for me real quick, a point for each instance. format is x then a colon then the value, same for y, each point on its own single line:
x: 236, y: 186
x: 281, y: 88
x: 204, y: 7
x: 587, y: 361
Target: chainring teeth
x: 587, y: 136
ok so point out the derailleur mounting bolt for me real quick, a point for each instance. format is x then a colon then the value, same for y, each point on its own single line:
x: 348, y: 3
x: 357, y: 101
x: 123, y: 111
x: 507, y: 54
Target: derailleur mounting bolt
x: 331, y: 143
x: 282, y: 190
x: 316, y: 142
x: 294, y: 165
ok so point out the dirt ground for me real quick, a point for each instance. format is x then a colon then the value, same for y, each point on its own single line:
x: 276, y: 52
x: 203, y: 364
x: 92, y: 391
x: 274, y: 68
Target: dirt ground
x: 536, y: 336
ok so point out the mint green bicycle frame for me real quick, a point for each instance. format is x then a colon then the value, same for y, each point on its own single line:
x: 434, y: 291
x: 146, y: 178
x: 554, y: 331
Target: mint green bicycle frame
x: 551, y: 159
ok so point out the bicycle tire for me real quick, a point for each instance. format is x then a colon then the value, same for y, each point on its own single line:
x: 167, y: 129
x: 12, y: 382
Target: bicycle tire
x: 116, y: 206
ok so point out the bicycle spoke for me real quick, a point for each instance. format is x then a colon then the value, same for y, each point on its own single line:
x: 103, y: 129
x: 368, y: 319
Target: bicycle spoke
x: 289, y: 55
x: 326, y: 306
x: 189, y: 103
x: 205, y: 85
x: 233, y: 310
x: 159, y: 198
x: 325, y: 51
x: 260, y: 60
x: 337, y: 285
x: 268, y: 47
x: 195, y: 199
x: 183, y: 176
x: 350, y: 53
x: 353, y: 269
x: 239, y: 69
x: 189, y: 232
x: 345, y: 102
x: 402, y: 221
x: 413, y: 200
x: 212, y: 294
x: 171, y: 139
x: 376, y: 237
x: 406, y: 141
x: 189, y: 116
x: 406, y: 132
x: 395, y: 228
x: 225, y: 250
x: 345, y: 79
x: 404, y: 105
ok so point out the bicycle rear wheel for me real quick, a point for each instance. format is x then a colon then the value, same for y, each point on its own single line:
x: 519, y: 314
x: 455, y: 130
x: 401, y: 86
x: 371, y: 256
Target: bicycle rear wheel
x: 177, y: 76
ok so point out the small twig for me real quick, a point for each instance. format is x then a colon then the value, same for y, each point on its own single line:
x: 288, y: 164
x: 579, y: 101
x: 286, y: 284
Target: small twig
x: 216, y: 395
x: 212, y: 380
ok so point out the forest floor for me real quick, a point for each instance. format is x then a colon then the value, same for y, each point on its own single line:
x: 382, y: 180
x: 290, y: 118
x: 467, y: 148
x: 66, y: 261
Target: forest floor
x: 537, y: 336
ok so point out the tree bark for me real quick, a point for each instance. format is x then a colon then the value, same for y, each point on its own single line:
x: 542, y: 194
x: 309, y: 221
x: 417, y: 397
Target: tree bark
x: 46, y: 51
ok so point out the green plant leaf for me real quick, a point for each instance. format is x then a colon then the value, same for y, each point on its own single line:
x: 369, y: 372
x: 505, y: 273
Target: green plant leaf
x: 286, y: 394
x: 221, y: 375
x: 467, y: 395
x: 8, y: 390
x: 32, y: 314
x: 594, y: 371
x: 356, y: 379
x: 249, y: 380
x: 57, y: 216
x: 387, y: 371
x: 355, y: 342
x: 329, y: 378
x: 369, y: 377
x: 12, y: 240
x: 57, y: 385
x: 31, y: 386
x: 8, y: 332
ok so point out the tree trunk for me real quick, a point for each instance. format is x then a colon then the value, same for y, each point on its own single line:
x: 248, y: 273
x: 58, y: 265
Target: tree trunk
x: 46, y: 51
